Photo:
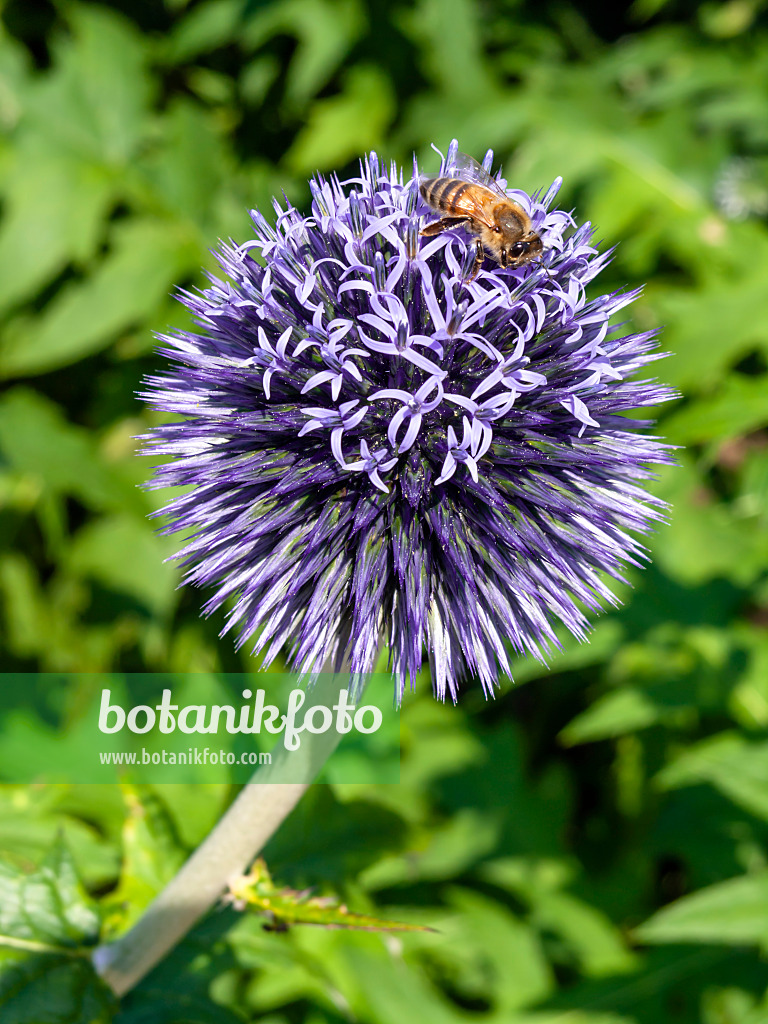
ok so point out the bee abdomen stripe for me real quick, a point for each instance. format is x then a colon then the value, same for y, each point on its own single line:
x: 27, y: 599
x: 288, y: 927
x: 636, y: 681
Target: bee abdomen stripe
x: 463, y: 186
x: 441, y: 195
x: 443, y: 191
x: 427, y: 186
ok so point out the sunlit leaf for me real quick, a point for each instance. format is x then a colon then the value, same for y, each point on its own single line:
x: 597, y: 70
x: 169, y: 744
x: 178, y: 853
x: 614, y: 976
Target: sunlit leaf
x: 614, y: 714
x: 739, y: 406
x: 734, y: 912
x: 206, y: 27
x: 340, y: 127
x: 95, y: 103
x: 706, y: 537
x: 46, y: 910
x: 146, y: 259
x: 186, y: 173
x: 708, y: 329
x: 37, y: 440
x: 125, y: 554
x: 55, y: 209
x: 520, y: 974
x: 152, y: 855
x: 738, y: 768
x: 325, y: 30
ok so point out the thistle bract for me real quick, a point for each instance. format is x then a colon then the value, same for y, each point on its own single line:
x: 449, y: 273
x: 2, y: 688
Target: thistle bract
x: 376, y: 450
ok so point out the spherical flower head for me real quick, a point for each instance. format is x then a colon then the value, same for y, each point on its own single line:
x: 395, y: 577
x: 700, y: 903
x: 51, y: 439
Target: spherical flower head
x: 377, y: 449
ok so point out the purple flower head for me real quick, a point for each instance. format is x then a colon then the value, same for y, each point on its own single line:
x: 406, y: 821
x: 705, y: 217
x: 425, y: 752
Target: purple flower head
x: 377, y: 450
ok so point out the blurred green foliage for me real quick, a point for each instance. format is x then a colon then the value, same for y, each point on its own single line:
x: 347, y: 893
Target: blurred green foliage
x: 592, y: 848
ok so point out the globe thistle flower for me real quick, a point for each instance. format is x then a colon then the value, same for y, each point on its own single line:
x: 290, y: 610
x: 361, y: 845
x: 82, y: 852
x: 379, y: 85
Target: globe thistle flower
x: 375, y: 449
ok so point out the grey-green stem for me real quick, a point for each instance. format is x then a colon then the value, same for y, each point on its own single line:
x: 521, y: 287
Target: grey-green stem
x: 224, y: 855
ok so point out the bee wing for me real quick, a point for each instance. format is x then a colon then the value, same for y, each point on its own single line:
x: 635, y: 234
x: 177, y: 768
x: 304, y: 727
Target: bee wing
x: 476, y: 202
x: 466, y: 167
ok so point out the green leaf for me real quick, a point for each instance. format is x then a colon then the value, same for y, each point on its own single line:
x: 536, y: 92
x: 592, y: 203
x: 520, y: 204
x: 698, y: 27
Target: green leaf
x: 32, y: 821
x: 284, y: 907
x: 24, y: 609
x: 706, y: 537
x: 645, y: 9
x: 749, y: 699
x: 207, y: 27
x: 146, y: 258
x: 95, y: 101
x: 52, y: 990
x: 14, y: 79
x: 343, y: 126
x: 449, y: 32
x: 392, y: 992
x: 613, y: 714
x: 732, y: 1005
x: 186, y: 174
x: 37, y: 440
x: 508, y: 948
x: 606, y: 636
x: 194, y: 808
x: 596, y: 942
x: 709, y: 328
x: 257, y: 78
x: 152, y: 853
x: 664, y: 976
x: 729, y: 19
x: 55, y: 205
x: 178, y: 1007
x: 739, y: 406
x: 47, y: 909
x: 737, y: 768
x: 443, y: 851
x: 127, y: 555
x: 77, y: 124
x: 734, y: 913
x: 325, y: 30
x: 202, y: 968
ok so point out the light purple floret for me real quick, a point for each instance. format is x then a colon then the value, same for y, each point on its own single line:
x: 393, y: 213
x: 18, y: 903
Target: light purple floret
x: 374, y: 450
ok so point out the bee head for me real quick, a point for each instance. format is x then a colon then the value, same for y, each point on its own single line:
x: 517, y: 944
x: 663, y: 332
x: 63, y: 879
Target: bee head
x: 524, y: 250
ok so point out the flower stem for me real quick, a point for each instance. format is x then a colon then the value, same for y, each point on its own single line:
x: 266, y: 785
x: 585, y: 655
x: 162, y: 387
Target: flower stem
x: 224, y: 855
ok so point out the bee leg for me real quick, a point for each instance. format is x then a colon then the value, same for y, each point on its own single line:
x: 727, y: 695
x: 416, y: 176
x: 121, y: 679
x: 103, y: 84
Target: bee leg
x: 479, y: 260
x: 445, y: 224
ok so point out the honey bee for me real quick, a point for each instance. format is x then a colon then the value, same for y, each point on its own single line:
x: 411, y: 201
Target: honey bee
x: 472, y: 199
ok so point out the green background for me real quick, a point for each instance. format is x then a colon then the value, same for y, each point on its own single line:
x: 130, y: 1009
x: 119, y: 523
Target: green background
x: 591, y: 847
